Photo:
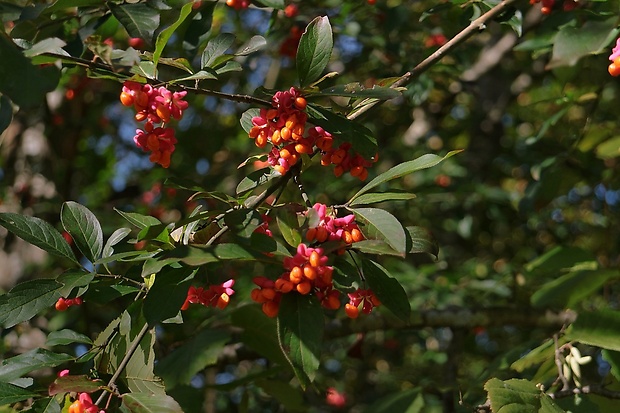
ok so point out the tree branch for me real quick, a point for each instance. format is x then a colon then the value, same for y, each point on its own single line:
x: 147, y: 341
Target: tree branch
x: 598, y: 390
x: 475, y: 26
x: 130, y: 352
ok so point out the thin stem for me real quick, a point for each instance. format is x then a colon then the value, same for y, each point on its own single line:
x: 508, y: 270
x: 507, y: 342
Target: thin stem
x: 475, y: 26
x: 304, y: 195
x: 130, y: 352
x: 559, y: 364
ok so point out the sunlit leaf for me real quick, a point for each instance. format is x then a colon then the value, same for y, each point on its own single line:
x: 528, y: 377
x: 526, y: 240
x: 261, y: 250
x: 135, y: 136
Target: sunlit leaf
x: 27, y: 299
x: 164, y: 35
x: 84, y: 228
x: 400, y: 170
x: 373, y: 198
x: 570, y: 289
x: 11, y: 394
x: 139, y: 19
x: 382, y: 225
x: 37, y: 232
x: 255, y: 44
x: 597, y: 328
x: 215, y: 48
x: 66, y: 336
x: 17, y: 366
x: 149, y: 403
x: 167, y: 294
x: 139, y: 220
x: 314, y: 51
x: 75, y: 383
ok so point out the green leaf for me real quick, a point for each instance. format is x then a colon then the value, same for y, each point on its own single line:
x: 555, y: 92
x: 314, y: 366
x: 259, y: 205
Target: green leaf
x: 15, y: 68
x: 255, y: 44
x: 27, y: 299
x: 559, y: 259
x: 573, y: 43
x: 276, y: 4
x: 406, y: 401
x: 10, y: 394
x: 613, y: 358
x: 400, y: 170
x: 6, y: 113
x: 139, y: 220
x: 200, y: 75
x: 246, y: 118
x: 139, y: 19
x: 80, y: 383
x: 66, y: 336
x: 167, y: 295
x: 259, y: 332
x: 37, y: 232
x: 289, y: 225
x: 420, y: 240
x: 49, y: 45
x: 382, y: 225
x: 164, y: 35
x: 300, y: 333
x: 373, y: 198
x: 149, y: 403
x: 357, y: 90
x: 314, y: 51
x: 572, y: 288
x: 518, y: 396
x: 229, y: 67
x: 606, y: 150
x: 360, y: 137
x: 116, y: 237
x: 72, y: 279
x: 375, y: 246
x: 256, y: 179
x: 216, y: 48
x: 221, y: 252
x: 17, y: 366
x: 291, y: 398
x: 200, y: 351
x: 387, y: 289
x: 84, y: 228
x: 46, y: 405
x: 597, y: 328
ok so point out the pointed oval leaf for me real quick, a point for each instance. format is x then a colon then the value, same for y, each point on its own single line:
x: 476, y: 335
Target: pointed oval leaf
x: 116, y: 237
x: 256, y: 179
x: 216, y: 48
x: 387, y: 289
x: 139, y: 19
x: 17, y: 366
x: 421, y: 240
x: 84, y: 228
x: 10, y: 394
x: 375, y: 197
x: 515, y: 395
x: 374, y: 246
x: 149, y: 403
x: 166, y: 296
x: 46, y: 405
x: 255, y: 44
x: 314, y: 51
x: 405, y: 168
x: 39, y: 233
x: 571, y: 288
x: 66, y: 336
x: 382, y: 225
x: 597, y: 328
x: 300, y: 333
x: 27, y: 299
x: 139, y: 220
x: 164, y: 35
x: 81, y: 384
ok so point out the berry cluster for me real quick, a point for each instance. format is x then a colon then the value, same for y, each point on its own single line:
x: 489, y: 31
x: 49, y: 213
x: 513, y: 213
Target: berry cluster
x: 548, y: 5
x: 217, y: 296
x: 307, y: 272
x: 614, y: 67
x: 238, y: 4
x: 331, y: 228
x: 84, y: 404
x: 63, y: 303
x: 364, y: 299
x: 156, y: 106
x: 284, y: 126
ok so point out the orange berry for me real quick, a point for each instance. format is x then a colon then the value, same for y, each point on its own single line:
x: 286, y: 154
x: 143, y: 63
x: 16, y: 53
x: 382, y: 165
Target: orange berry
x: 302, y: 148
x: 140, y: 116
x: 126, y: 99
x: 268, y: 293
x: 61, y: 304
x: 338, y: 171
x: 296, y: 275
x: 253, y: 133
x: 374, y: 300
x: 300, y: 103
x: 614, y: 69
x: 315, y: 259
x: 271, y: 308
x: 356, y: 170
x: 338, y: 156
x: 261, y: 140
x: 256, y: 296
x: 332, y: 303
x: 291, y: 122
x: 347, y: 238
x: 222, y: 301
x: 271, y: 114
x: 304, y: 288
x: 309, y: 272
x: 76, y: 407
x: 617, y: 61
x: 326, y: 159
x: 276, y: 138
x: 357, y: 235
x: 285, y: 153
x: 545, y: 10
x: 326, y: 275
x: 141, y: 100
x: 280, y: 169
x: 351, y: 311
x: 283, y: 285
x: 363, y: 175
x: 321, y: 234
x: 286, y: 133
x: 311, y: 234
